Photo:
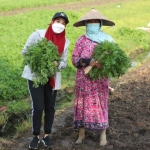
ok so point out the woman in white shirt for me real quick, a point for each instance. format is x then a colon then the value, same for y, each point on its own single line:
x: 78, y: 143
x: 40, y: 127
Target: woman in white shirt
x: 44, y: 96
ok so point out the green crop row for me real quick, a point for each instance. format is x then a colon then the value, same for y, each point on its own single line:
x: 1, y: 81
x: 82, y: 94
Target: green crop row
x: 15, y: 29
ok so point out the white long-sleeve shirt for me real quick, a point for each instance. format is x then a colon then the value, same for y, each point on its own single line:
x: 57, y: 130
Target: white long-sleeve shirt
x: 33, y: 38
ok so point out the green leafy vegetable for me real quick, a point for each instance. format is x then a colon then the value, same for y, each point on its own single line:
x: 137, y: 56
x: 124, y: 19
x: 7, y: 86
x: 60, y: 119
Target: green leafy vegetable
x: 113, y: 59
x: 40, y: 57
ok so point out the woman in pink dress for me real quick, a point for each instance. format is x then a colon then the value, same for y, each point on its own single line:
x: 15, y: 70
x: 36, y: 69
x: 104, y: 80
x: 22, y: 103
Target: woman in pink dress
x: 91, y: 96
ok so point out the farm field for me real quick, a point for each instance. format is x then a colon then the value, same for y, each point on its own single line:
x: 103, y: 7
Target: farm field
x: 129, y: 110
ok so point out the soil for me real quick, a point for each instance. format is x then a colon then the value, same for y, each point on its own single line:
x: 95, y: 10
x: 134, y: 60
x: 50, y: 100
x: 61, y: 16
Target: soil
x: 129, y: 115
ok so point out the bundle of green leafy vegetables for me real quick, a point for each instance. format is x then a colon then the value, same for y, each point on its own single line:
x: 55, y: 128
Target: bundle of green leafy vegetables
x: 40, y: 57
x: 113, y: 59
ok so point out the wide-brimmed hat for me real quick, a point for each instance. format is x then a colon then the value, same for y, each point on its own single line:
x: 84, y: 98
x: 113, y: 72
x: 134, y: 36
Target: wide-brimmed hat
x: 61, y: 14
x: 93, y: 14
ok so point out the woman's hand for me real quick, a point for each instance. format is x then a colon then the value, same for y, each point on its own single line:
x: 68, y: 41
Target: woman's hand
x: 91, y: 65
x: 96, y: 64
x: 56, y: 63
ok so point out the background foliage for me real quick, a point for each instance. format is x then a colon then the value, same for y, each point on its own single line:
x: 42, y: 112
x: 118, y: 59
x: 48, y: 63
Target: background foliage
x: 15, y: 29
x: 7, y: 5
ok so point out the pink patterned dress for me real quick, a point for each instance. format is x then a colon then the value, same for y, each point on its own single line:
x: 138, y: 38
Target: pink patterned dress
x: 91, y: 96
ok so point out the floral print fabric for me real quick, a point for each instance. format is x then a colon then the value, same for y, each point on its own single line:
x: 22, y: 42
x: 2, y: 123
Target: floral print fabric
x: 91, y: 96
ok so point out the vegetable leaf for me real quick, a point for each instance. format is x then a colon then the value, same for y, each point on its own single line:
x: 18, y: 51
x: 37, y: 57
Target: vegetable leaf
x: 40, y: 57
x: 113, y: 59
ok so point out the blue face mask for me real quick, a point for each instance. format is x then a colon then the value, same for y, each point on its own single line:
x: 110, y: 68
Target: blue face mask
x: 93, y: 28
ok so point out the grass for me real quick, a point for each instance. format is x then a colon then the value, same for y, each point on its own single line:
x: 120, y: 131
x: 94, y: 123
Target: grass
x: 23, y: 127
x: 2, y: 118
x: 14, y: 31
x: 8, y: 5
x: 61, y: 104
x: 127, y: 18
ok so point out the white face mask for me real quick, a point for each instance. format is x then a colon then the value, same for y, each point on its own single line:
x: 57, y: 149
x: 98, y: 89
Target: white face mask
x: 58, y: 27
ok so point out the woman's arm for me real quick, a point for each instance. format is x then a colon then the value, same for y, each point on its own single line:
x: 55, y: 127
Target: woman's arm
x: 77, y: 61
x: 32, y: 39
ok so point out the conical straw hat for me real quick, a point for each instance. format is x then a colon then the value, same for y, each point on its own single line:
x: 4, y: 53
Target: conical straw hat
x: 93, y: 14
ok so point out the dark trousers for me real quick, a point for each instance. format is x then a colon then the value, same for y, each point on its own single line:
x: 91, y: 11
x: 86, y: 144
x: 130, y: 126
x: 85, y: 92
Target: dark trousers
x: 42, y: 99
